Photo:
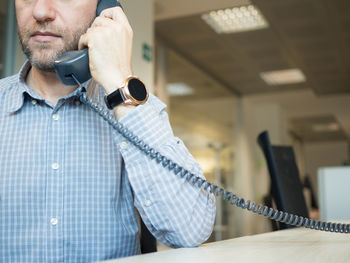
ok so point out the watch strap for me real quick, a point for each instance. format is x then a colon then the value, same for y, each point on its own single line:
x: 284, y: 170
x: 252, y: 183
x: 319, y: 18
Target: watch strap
x: 114, y: 99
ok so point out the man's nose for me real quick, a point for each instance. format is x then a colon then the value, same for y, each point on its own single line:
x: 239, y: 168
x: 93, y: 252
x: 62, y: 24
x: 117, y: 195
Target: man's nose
x: 44, y: 10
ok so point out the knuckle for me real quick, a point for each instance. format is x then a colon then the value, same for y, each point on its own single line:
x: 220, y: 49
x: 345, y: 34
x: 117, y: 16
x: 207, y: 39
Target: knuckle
x: 103, y: 12
x: 97, y: 20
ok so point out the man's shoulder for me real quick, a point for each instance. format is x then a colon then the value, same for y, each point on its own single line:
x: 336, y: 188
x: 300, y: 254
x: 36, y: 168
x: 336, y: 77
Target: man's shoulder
x: 7, y: 83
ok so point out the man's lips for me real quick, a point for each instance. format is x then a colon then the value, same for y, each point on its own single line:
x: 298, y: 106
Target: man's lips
x: 40, y: 36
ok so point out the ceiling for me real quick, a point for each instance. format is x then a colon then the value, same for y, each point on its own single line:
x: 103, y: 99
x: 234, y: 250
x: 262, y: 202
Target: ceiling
x: 303, y: 109
x: 298, y: 37
x: 326, y: 126
x: 311, y: 35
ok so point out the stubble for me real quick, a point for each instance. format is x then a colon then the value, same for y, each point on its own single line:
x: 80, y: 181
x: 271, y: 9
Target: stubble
x: 43, y: 55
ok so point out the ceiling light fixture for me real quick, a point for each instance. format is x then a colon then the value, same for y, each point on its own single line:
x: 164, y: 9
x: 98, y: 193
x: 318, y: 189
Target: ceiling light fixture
x: 236, y: 19
x: 179, y: 89
x: 327, y: 127
x: 283, y: 77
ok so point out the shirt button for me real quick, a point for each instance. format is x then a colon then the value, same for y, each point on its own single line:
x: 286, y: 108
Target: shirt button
x: 54, y: 221
x: 148, y: 203
x: 55, y: 117
x: 34, y: 102
x: 55, y: 166
x: 124, y: 145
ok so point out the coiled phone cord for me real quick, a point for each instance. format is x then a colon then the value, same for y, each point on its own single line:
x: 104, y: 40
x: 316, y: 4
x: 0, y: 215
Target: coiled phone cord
x: 230, y: 197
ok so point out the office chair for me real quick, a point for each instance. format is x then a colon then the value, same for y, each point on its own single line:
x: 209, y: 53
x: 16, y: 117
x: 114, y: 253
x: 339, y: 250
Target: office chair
x: 286, y: 187
x: 148, y: 243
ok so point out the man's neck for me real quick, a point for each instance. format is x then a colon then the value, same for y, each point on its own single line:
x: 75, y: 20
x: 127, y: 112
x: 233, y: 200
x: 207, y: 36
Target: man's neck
x: 47, y: 85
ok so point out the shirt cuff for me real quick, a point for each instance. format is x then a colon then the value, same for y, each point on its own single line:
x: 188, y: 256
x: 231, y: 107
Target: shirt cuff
x: 149, y: 122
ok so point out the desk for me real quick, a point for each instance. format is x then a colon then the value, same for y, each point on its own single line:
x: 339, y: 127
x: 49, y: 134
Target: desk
x: 295, y: 245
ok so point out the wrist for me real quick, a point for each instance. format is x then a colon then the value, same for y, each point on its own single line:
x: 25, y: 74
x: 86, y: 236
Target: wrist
x: 132, y: 92
x: 113, y: 85
x: 115, y: 81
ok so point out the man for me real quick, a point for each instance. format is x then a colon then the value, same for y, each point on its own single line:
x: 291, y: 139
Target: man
x: 69, y: 183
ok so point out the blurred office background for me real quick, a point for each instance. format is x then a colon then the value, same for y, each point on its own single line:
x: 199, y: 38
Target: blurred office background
x: 287, y: 73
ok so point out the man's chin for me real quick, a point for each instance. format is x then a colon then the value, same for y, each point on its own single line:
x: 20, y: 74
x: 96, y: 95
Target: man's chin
x: 43, y: 67
x: 42, y: 56
x: 44, y: 61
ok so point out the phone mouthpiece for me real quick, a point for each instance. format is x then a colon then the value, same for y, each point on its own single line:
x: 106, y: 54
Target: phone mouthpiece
x: 73, y: 66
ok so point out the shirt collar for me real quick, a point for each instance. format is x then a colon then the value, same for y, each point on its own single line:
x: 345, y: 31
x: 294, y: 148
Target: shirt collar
x: 16, y: 95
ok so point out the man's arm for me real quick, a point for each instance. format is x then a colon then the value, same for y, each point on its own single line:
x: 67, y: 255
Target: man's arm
x: 177, y: 213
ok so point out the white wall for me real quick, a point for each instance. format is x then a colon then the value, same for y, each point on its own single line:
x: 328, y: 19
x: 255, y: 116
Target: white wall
x: 334, y: 195
x: 140, y: 15
x: 325, y: 154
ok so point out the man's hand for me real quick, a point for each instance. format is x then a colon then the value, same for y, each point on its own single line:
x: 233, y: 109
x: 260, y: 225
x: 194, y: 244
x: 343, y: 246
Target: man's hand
x: 109, y: 40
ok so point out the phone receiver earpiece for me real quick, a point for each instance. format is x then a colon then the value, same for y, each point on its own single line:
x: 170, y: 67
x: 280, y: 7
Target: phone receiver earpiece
x: 72, y: 67
x: 105, y: 4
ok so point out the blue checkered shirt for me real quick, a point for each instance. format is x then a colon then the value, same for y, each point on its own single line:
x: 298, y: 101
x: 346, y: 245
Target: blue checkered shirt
x: 69, y: 183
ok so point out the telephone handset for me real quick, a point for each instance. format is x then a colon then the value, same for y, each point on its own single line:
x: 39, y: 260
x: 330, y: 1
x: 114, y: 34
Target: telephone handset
x: 72, y: 67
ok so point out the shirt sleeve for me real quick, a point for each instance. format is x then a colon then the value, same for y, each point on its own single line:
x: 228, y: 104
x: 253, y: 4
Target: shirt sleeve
x: 177, y: 213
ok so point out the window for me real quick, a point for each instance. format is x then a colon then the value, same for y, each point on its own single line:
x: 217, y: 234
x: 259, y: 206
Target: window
x: 11, y: 55
x: 2, y: 33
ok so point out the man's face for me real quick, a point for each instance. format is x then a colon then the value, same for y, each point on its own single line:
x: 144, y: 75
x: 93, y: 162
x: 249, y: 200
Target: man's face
x: 48, y: 28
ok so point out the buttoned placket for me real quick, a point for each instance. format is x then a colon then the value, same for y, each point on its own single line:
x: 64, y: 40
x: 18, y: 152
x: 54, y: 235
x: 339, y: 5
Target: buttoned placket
x: 55, y: 185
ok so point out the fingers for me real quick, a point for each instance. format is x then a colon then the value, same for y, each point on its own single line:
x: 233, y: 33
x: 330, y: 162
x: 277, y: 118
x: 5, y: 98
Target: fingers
x: 83, y: 41
x: 109, y: 18
x: 116, y: 14
x: 102, y: 21
x: 86, y: 39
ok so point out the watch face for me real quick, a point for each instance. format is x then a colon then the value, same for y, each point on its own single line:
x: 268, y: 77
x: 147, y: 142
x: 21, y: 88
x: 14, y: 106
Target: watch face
x: 137, y: 89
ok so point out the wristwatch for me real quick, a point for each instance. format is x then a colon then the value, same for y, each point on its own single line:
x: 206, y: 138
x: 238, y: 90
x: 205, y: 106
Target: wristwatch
x: 133, y: 92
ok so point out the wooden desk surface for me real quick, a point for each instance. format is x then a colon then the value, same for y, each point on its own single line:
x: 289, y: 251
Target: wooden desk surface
x: 296, y: 245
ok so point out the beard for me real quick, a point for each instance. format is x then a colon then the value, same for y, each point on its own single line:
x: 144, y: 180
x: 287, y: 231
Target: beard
x: 43, y: 55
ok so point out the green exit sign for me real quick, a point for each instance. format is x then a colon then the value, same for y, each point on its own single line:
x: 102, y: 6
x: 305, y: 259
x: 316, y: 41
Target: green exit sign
x: 147, y: 52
